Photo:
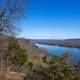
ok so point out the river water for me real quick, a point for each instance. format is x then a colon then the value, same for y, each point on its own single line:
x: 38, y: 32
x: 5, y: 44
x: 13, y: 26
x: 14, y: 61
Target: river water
x: 59, y: 51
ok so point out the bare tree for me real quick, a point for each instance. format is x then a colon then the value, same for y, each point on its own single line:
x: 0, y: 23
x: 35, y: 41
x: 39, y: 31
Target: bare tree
x: 10, y: 12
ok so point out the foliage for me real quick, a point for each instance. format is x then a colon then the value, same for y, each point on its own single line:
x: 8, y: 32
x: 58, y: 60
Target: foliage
x: 34, y: 68
x: 57, y: 69
x: 21, y: 57
x: 18, y: 55
x: 11, y: 11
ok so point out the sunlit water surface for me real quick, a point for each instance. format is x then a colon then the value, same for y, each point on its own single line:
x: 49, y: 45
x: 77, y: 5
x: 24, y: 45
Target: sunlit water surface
x: 59, y: 51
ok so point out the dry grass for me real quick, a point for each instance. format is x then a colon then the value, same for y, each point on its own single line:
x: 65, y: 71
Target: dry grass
x: 9, y: 75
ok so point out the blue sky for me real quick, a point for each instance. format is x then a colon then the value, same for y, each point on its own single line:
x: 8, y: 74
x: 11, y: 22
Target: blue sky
x: 52, y: 19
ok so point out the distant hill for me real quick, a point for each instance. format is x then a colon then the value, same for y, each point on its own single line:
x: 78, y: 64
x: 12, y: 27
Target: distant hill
x: 65, y: 42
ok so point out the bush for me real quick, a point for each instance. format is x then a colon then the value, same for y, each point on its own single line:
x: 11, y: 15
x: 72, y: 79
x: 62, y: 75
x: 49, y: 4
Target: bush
x: 17, y: 56
x: 57, y: 69
x: 21, y: 57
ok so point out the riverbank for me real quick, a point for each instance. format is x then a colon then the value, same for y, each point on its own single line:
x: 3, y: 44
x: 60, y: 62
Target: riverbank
x: 73, y: 43
x: 60, y: 51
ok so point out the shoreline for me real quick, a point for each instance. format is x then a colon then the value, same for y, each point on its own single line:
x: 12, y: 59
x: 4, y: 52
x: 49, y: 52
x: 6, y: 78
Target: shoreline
x: 68, y: 46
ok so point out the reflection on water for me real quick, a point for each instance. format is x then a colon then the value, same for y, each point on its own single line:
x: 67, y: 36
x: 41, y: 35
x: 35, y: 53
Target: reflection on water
x: 59, y: 51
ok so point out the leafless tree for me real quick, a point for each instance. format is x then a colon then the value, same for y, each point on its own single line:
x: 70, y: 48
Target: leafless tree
x: 11, y: 11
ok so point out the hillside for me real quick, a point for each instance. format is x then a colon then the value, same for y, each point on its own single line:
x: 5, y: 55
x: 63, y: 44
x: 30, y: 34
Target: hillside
x: 65, y: 42
x: 31, y: 48
x: 35, y: 66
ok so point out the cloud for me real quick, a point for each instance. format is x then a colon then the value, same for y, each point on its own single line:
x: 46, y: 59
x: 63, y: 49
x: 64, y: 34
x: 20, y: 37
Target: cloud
x: 43, y: 35
x: 30, y: 33
x: 55, y: 36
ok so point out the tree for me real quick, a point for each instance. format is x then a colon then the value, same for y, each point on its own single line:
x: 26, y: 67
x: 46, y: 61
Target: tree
x: 10, y: 12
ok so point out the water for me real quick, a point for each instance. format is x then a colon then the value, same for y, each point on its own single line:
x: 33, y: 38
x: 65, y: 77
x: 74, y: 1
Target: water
x: 59, y: 51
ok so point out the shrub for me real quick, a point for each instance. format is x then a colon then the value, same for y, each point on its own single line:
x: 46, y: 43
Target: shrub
x: 21, y: 57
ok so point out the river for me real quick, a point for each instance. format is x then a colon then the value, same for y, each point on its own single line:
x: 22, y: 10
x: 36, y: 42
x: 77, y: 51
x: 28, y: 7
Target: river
x: 59, y: 51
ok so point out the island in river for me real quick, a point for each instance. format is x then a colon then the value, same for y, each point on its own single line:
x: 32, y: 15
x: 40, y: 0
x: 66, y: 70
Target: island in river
x: 75, y: 43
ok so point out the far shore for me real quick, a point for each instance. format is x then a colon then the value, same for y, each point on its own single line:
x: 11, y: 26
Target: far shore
x: 59, y: 44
